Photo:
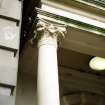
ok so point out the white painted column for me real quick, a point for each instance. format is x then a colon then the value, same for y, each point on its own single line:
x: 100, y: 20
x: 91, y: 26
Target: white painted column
x: 47, y: 81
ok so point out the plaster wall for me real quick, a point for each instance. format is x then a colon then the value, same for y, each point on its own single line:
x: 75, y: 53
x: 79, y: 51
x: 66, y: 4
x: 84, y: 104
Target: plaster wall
x: 26, y: 90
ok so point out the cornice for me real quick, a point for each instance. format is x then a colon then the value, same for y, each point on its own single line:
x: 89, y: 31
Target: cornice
x: 100, y: 4
x: 69, y: 22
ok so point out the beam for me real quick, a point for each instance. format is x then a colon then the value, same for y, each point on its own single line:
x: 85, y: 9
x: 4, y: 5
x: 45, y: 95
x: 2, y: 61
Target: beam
x: 84, y: 42
x: 75, y: 80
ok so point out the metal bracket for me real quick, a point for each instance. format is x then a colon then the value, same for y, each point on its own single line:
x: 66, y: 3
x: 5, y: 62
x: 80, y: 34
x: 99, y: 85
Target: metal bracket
x: 8, y: 86
x: 9, y: 49
x: 10, y: 19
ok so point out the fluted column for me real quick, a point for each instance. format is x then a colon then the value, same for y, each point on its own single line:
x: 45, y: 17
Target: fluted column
x: 47, y: 80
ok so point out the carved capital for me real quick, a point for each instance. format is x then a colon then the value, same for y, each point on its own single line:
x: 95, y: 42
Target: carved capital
x: 49, y: 33
x: 50, y: 29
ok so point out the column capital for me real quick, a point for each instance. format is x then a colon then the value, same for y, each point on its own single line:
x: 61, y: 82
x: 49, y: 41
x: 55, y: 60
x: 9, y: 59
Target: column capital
x: 48, y: 31
x: 54, y: 29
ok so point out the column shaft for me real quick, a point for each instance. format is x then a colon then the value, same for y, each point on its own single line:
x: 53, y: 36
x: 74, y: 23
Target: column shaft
x: 47, y: 83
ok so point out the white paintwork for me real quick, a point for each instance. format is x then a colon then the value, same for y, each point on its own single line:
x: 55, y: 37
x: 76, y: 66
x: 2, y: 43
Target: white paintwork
x: 75, y: 10
x: 9, y: 37
x: 8, y: 68
x: 73, y: 16
x: 47, y: 81
x: 5, y: 91
x: 10, y: 8
x: 7, y: 100
x: 9, y: 34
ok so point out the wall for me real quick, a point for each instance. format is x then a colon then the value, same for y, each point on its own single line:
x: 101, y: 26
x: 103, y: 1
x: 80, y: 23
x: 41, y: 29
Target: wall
x: 26, y: 94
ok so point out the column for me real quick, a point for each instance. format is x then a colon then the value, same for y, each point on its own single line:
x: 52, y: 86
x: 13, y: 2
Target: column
x: 47, y: 80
